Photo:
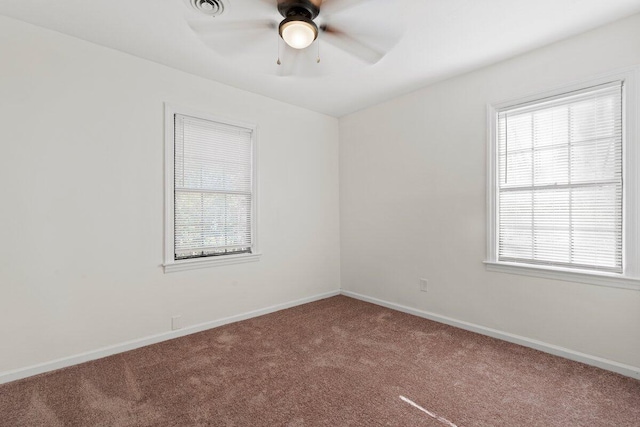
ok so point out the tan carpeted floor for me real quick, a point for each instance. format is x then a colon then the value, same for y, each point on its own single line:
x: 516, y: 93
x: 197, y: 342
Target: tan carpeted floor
x: 336, y: 362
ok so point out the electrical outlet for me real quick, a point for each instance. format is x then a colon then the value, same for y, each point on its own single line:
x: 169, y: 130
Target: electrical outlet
x: 423, y: 285
x: 176, y: 323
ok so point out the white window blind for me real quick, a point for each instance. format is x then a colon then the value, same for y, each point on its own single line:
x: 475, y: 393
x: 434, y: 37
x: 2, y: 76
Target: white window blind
x: 560, y: 180
x: 213, y: 188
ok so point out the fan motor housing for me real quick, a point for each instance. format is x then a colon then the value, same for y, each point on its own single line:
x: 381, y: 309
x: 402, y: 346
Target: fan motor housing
x: 303, y: 8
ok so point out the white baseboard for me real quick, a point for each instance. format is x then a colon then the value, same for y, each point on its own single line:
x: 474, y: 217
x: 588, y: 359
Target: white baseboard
x: 64, y: 362
x: 609, y: 365
x: 627, y: 370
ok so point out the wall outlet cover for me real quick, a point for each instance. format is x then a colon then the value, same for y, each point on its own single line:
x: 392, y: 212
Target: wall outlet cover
x: 176, y: 323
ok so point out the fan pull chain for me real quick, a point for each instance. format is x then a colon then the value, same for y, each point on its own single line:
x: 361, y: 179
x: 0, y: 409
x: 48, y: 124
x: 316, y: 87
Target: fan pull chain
x: 318, y: 60
x: 278, y: 39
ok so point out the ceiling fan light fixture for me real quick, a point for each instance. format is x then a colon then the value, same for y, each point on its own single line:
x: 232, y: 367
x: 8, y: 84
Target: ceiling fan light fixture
x: 298, y: 31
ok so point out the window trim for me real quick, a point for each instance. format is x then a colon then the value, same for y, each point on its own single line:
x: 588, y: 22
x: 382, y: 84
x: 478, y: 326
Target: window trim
x: 170, y: 263
x: 630, y: 278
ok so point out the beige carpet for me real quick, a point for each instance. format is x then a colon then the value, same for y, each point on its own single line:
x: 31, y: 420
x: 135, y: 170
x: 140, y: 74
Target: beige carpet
x: 336, y: 362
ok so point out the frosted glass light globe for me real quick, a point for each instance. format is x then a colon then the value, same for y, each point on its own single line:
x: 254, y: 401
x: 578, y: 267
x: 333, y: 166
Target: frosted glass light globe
x: 298, y: 34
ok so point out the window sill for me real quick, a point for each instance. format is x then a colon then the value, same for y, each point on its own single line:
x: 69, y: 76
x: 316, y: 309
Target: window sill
x: 192, y: 264
x: 556, y: 273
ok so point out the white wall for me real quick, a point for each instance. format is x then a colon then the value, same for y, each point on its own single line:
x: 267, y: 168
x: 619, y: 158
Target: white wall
x: 413, y: 200
x: 81, y: 223
x: 81, y: 178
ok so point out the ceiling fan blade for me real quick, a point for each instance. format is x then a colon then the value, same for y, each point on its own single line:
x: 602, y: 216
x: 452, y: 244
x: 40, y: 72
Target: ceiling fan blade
x: 212, y: 27
x: 329, y: 7
x: 273, y: 3
x: 351, y: 45
x: 233, y: 39
x: 317, y: 3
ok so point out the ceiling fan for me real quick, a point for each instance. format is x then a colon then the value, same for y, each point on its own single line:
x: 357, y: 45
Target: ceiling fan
x: 304, y: 22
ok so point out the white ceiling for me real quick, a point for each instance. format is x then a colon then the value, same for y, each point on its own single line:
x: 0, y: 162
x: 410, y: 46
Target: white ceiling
x: 429, y: 40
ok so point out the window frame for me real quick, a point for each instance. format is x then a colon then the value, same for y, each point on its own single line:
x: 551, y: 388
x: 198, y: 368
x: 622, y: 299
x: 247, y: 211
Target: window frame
x: 630, y: 276
x: 170, y: 263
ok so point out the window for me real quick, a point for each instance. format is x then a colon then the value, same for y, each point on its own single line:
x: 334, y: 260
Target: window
x: 559, y: 184
x: 211, y: 191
